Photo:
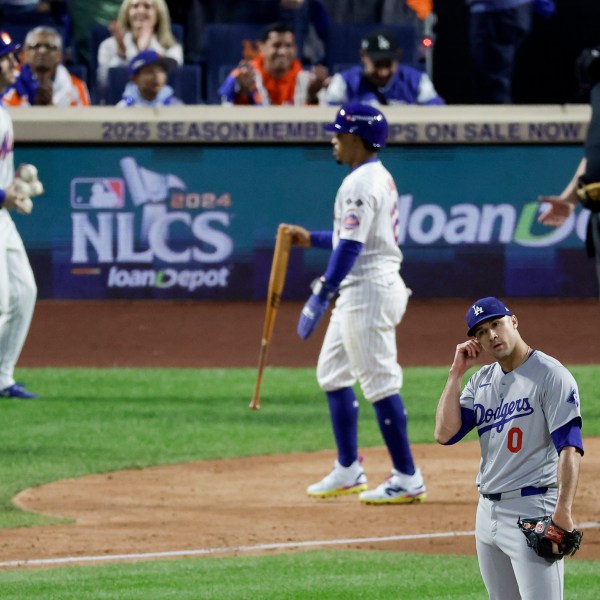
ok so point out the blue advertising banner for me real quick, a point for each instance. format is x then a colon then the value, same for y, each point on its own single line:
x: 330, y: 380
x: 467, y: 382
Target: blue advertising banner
x: 162, y: 221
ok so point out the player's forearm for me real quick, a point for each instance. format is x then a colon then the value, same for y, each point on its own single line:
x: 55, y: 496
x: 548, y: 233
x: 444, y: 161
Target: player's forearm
x: 341, y: 261
x: 321, y: 239
x: 568, y: 476
x: 448, y: 418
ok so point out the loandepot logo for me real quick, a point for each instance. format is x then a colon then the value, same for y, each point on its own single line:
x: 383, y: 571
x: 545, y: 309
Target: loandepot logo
x: 187, y: 233
x: 485, y: 224
x: 189, y: 279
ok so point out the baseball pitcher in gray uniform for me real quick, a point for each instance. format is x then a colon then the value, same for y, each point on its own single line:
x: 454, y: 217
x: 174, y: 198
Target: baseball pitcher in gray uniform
x: 18, y: 290
x: 525, y: 407
x: 360, y: 343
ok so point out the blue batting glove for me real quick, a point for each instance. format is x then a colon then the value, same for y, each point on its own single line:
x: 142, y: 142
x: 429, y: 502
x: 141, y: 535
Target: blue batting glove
x: 315, y: 308
x: 546, y: 8
x: 311, y: 314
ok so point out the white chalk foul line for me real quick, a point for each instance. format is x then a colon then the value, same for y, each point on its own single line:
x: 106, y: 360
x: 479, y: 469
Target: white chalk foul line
x: 240, y: 549
x: 224, y: 550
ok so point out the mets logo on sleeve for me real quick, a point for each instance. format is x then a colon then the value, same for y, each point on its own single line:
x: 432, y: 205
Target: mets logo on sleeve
x: 351, y: 220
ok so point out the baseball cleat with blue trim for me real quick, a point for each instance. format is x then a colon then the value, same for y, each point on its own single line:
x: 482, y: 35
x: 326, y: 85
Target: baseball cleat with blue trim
x: 397, y: 489
x: 17, y: 391
x: 341, y: 481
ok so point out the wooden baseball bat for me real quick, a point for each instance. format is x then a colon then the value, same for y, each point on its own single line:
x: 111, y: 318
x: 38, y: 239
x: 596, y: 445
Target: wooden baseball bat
x: 281, y: 255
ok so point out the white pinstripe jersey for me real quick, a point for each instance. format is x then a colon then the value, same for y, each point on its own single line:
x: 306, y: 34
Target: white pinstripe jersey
x: 7, y: 141
x: 366, y: 210
x: 515, y: 414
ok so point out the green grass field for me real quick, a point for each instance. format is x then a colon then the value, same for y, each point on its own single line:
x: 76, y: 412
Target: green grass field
x: 92, y: 421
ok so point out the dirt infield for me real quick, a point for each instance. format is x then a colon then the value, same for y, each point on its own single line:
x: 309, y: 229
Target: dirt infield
x: 227, y: 506
x: 211, y: 334
x: 218, y: 507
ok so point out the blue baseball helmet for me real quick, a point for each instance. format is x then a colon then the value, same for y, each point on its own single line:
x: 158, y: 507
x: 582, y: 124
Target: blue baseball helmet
x: 363, y: 120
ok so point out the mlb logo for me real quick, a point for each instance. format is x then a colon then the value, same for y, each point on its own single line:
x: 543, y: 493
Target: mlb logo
x: 95, y: 193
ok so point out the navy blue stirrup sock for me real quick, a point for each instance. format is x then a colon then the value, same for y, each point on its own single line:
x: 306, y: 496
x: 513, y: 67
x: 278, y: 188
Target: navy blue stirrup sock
x: 343, y: 409
x: 392, y: 423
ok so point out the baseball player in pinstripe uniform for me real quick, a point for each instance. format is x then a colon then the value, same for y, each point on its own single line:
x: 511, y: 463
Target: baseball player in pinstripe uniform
x: 360, y: 343
x: 17, y: 285
x: 525, y: 407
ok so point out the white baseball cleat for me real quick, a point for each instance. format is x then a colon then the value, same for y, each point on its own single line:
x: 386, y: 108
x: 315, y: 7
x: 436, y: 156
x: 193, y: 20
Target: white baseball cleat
x: 342, y: 480
x: 397, y: 489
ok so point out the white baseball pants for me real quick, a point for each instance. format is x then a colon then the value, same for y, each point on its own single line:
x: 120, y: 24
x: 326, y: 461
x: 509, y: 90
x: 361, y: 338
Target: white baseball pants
x: 360, y: 343
x: 18, y: 292
x: 509, y: 568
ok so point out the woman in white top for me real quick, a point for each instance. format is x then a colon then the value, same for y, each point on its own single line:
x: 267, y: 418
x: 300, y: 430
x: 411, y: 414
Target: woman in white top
x: 140, y: 25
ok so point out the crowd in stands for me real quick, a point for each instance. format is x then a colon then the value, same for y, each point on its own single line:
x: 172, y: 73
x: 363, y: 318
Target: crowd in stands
x: 295, y: 52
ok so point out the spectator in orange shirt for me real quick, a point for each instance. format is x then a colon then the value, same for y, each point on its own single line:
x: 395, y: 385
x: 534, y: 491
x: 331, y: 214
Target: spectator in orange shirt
x: 275, y: 75
x: 43, y: 79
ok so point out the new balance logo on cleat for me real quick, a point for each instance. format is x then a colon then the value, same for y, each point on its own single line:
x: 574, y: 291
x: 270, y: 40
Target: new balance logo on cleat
x: 398, y: 489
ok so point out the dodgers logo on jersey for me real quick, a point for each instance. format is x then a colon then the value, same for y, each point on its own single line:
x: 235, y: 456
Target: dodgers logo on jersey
x: 498, y: 418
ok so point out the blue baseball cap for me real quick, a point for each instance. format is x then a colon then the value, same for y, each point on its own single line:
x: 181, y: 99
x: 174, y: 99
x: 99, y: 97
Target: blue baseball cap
x: 150, y: 57
x: 7, y: 45
x: 484, y: 309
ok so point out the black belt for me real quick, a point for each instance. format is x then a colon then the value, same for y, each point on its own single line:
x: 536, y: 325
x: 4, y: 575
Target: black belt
x: 526, y: 491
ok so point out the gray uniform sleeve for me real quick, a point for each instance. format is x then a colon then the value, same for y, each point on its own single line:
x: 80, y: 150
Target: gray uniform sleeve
x: 560, y: 398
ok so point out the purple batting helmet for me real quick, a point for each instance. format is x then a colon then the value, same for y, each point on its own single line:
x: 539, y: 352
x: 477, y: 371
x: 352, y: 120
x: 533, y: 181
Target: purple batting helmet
x: 363, y: 120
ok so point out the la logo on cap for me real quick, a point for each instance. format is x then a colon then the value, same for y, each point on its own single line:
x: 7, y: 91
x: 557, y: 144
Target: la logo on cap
x: 477, y: 310
x: 383, y: 43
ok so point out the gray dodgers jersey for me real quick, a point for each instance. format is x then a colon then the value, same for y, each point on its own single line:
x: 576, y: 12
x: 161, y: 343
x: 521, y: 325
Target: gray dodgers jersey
x: 366, y: 210
x: 515, y: 413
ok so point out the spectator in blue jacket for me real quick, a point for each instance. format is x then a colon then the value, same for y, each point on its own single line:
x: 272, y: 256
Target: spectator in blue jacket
x: 381, y: 79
